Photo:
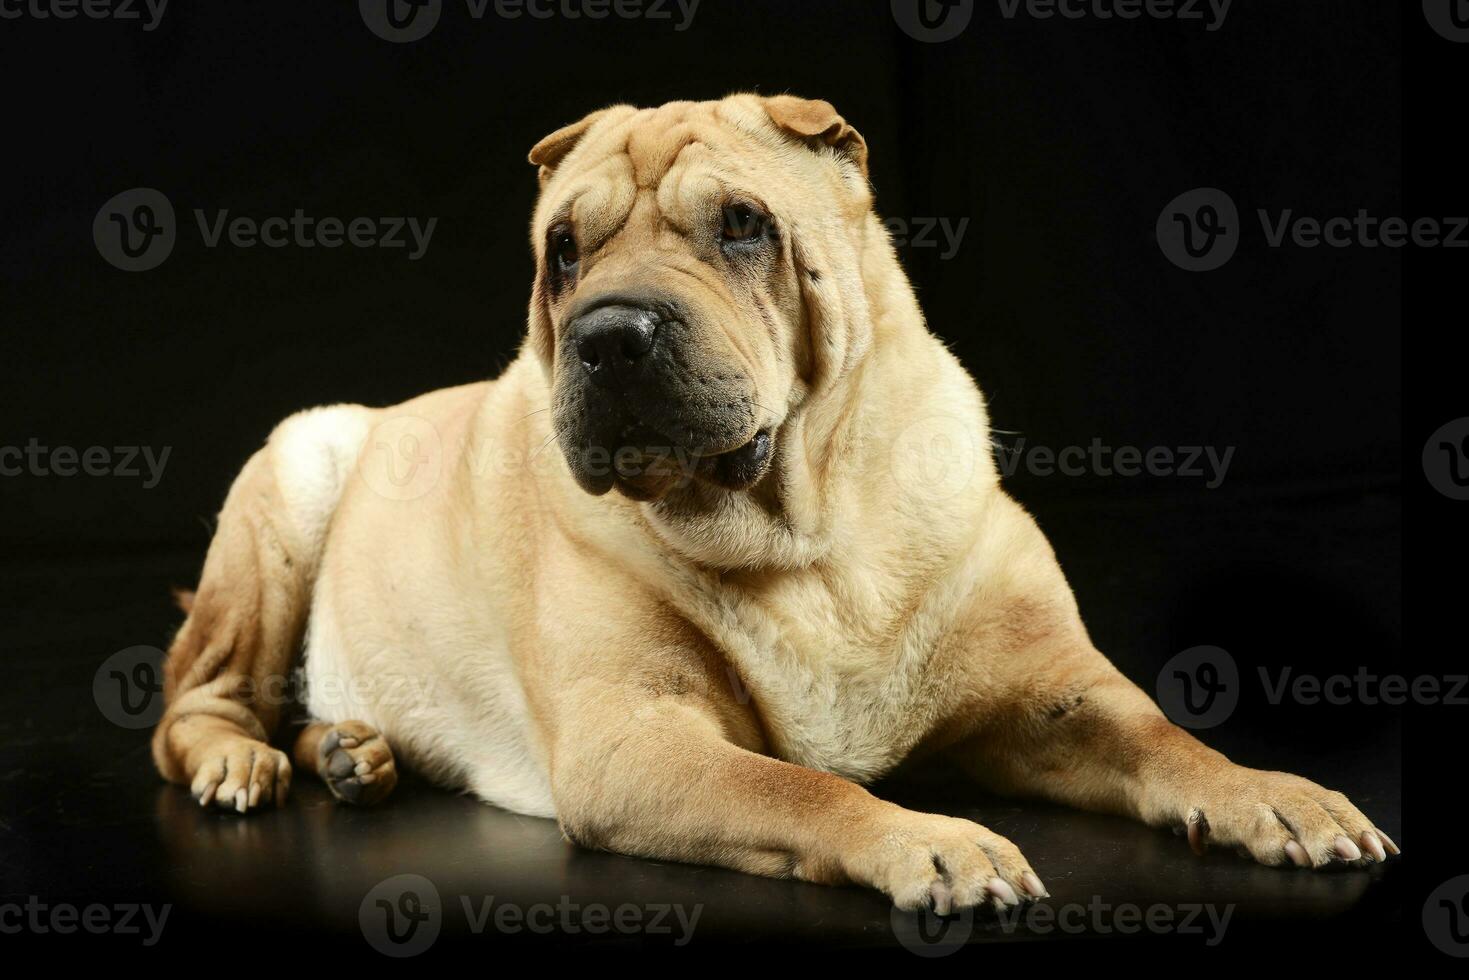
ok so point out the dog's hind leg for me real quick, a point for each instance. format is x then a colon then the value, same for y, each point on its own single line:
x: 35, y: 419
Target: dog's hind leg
x: 227, y: 677
x: 351, y: 757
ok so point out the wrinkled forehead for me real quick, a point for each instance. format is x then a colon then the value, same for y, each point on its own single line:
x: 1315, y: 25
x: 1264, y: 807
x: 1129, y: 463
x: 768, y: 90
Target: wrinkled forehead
x: 682, y: 158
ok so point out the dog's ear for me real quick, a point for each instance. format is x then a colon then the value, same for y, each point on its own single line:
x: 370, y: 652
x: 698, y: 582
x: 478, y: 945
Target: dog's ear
x: 816, y: 119
x: 551, y: 149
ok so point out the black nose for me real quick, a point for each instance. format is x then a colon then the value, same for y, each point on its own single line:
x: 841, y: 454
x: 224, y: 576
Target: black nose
x: 611, y: 338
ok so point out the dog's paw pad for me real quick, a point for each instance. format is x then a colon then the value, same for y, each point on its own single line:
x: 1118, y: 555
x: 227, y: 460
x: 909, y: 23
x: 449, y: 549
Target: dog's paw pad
x: 356, y: 763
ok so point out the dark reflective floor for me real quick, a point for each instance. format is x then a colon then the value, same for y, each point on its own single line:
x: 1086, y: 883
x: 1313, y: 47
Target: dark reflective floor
x: 85, y: 821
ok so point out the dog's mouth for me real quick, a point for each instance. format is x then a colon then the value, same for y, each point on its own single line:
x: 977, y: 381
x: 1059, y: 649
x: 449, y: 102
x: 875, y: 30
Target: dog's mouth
x: 651, y: 467
x: 741, y: 468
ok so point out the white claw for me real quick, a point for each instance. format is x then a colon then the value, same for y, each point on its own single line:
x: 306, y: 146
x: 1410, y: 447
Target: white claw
x: 1001, y: 889
x: 1297, y: 854
x: 943, y: 900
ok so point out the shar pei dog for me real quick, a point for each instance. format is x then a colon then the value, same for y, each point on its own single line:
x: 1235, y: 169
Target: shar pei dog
x: 724, y: 543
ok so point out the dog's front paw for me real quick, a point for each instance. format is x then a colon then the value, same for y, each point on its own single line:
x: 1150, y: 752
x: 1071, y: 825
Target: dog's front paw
x: 926, y: 861
x: 240, y: 774
x: 1281, y: 819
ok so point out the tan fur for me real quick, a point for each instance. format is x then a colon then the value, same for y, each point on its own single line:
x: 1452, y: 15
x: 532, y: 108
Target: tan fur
x: 704, y: 674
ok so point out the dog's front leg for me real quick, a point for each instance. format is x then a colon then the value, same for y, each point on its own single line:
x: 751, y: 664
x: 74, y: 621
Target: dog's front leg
x: 657, y: 776
x: 1082, y: 733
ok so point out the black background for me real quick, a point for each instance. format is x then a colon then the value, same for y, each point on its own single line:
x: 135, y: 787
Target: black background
x: 1058, y: 141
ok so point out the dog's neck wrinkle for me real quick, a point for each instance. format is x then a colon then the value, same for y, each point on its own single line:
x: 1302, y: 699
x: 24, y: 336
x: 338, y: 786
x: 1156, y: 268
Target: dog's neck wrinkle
x: 859, y: 416
x: 830, y: 439
x: 805, y: 507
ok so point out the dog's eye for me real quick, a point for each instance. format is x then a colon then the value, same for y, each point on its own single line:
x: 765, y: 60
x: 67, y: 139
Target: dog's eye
x: 742, y: 223
x: 563, y: 248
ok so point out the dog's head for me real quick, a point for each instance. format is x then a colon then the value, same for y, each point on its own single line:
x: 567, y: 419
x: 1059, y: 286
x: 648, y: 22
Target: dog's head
x: 695, y: 269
